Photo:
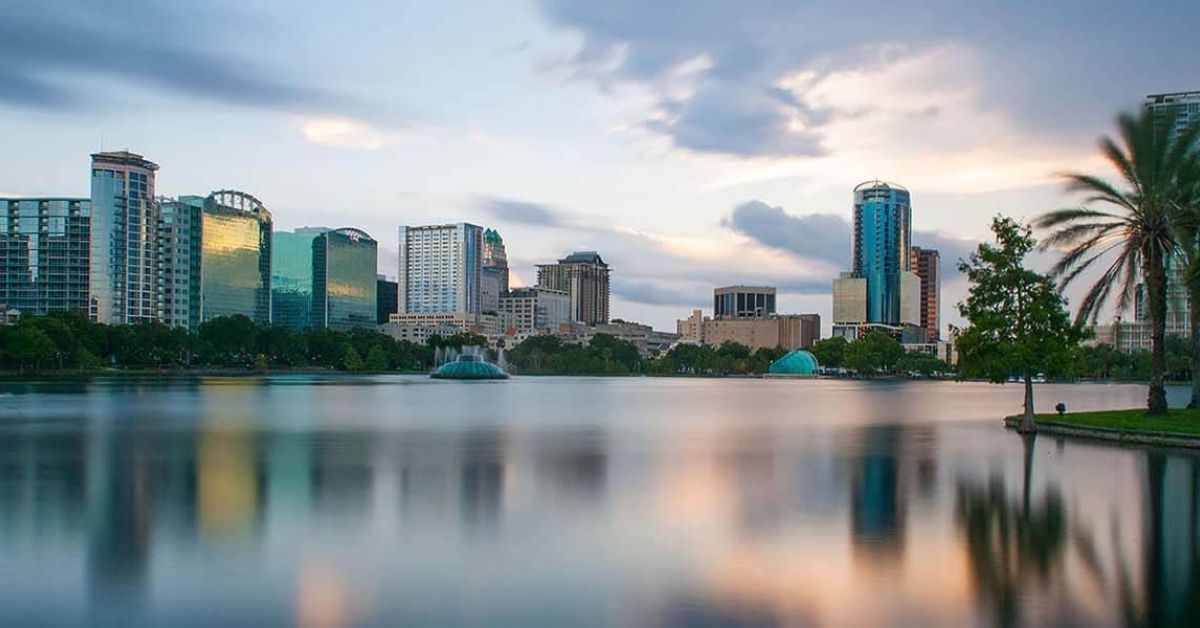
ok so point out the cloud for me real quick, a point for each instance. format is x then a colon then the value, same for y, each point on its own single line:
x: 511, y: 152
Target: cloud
x: 943, y: 95
x: 45, y: 47
x: 522, y: 212
x: 824, y: 236
x: 342, y: 132
x: 816, y: 236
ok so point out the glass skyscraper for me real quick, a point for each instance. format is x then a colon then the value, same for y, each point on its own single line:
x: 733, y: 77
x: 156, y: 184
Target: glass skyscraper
x: 440, y: 269
x: 179, y: 248
x: 123, y: 252
x: 882, y: 248
x: 235, y: 257
x: 44, y: 254
x: 292, y: 277
x: 344, y: 264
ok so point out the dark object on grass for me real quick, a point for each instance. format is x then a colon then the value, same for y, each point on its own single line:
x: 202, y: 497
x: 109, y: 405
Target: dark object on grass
x: 1061, y: 408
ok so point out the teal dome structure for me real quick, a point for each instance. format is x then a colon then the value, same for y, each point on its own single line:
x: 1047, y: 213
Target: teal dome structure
x: 469, y: 367
x: 795, y: 364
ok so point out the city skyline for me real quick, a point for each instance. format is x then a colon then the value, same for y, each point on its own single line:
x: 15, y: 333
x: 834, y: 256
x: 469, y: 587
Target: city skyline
x: 676, y: 148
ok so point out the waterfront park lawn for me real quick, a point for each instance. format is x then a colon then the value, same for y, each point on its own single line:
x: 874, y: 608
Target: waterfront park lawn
x: 1179, y: 421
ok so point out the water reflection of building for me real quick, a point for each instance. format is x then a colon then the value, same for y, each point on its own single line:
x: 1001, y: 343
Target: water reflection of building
x: 878, y: 507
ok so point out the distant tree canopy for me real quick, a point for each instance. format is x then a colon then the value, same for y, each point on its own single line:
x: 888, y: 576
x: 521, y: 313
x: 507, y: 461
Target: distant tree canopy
x: 63, y: 340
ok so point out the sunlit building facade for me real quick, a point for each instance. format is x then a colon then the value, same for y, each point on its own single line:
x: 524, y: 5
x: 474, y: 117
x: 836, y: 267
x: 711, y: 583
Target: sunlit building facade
x: 344, y: 262
x: 292, y: 276
x: 926, y: 264
x: 123, y: 252
x: 235, y: 257
x: 440, y: 269
x: 44, y: 254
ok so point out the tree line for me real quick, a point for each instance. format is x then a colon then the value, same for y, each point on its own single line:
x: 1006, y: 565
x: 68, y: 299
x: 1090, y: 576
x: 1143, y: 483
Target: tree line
x: 69, y: 341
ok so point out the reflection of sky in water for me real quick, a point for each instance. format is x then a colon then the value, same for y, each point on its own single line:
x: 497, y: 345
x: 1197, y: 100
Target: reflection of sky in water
x: 329, y: 501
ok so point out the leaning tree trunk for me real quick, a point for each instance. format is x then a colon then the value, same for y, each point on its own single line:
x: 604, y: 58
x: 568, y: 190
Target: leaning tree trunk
x: 1156, y: 289
x: 1194, y: 359
x: 1028, y: 425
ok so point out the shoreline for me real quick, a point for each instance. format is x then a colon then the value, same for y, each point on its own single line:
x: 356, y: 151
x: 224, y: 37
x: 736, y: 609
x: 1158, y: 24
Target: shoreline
x: 1124, y: 436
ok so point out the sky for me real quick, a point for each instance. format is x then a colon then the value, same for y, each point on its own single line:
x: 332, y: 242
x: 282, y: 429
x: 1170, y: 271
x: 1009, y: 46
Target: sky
x: 693, y: 144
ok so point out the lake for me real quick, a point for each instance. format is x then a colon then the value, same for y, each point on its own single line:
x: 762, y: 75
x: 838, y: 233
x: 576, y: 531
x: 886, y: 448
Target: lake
x: 400, y: 500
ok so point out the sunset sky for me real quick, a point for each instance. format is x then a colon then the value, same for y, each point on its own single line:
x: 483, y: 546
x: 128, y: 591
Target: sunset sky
x: 694, y: 144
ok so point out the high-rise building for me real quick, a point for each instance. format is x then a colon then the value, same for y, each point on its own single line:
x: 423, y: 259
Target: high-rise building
x: 926, y: 263
x: 882, y: 241
x: 343, y: 279
x: 743, y: 302
x: 440, y: 269
x: 494, y: 276
x: 1179, y: 109
x: 123, y: 252
x: 849, y: 299
x: 235, y: 257
x: 292, y: 277
x: 44, y: 254
x: 585, y: 277
x: 533, y: 309
x: 386, y: 293
x: 179, y: 251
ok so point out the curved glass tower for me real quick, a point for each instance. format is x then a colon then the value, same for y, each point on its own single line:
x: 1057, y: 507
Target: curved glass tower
x: 235, y: 257
x: 882, y: 246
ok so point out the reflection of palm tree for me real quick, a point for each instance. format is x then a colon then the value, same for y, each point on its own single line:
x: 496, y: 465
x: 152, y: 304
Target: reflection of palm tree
x: 1009, y: 543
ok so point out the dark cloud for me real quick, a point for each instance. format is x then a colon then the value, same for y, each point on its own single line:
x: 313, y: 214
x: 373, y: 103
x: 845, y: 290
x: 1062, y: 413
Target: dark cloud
x: 522, y: 212
x: 825, y: 237
x: 738, y: 108
x: 817, y: 236
x: 45, y: 47
x: 652, y: 293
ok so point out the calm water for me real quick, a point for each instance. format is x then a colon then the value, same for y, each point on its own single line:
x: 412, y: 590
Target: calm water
x: 581, y: 502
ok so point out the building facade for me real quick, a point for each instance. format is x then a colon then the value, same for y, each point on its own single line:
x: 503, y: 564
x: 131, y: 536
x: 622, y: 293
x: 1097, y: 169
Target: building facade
x: 123, y: 256
x: 344, y: 262
x: 788, y: 331
x: 235, y: 257
x: 179, y: 251
x: 691, y: 329
x: 385, y: 298
x: 926, y: 264
x: 494, y: 276
x: 534, y: 309
x: 585, y: 277
x: 882, y: 245
x: 292, y: 276
x: 44, y: 251
x: 440, y: 269
x: 734, y: 302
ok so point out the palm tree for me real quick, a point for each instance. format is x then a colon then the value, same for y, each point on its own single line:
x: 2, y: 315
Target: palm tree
x: 1128, y: 229
x: 1189, y: 238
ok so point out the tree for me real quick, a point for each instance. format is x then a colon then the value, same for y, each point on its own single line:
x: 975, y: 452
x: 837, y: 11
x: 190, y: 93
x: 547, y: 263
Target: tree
x: 351, y: 360
x: 1188, y: 225
x: 830, y: 351
x: 1017, y: 321
x: 29, y: 345
x: 377, y: 359
x: 1134, y: 233
x: 877, y: 352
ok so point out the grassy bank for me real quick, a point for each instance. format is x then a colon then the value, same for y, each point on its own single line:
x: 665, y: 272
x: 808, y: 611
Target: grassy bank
x: 1179, y: 421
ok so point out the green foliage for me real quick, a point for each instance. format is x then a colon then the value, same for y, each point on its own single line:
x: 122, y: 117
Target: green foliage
x: 921, y: 363
x: 604, y: 355
x: 830, y: 352
x: 874, y: 354
x: 1018, y: 323
x: 351, y: 361
x: 377, y: 359
x: 70, y: 341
